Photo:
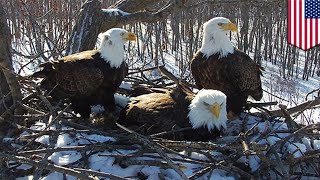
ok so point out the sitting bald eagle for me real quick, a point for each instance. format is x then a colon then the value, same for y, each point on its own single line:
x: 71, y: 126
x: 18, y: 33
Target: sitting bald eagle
x: 89, y: 77
x: 205, y: 114
x: 219, y: 65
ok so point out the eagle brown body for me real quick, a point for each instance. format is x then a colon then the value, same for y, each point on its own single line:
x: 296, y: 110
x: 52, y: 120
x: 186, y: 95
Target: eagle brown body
x: 85, y: 79
x: 161, y: 112
x: 237, y: 75
x: 219, y: 65
x: 89, y: 77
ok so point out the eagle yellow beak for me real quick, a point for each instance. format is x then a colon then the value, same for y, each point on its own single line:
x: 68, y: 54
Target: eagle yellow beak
x: 215, y: 109
x: 230, y: 27
x: 130, y: 37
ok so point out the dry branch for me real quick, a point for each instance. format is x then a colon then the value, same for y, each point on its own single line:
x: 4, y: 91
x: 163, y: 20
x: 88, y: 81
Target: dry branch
x: 149, y: 143
x: 299, y: 108
x: 77, y: 172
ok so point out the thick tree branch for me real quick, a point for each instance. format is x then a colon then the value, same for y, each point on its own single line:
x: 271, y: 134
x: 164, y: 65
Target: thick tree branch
x: 92, y: 22
x: 133, y: 5
x: 298, y: 108
x: 150, y: 17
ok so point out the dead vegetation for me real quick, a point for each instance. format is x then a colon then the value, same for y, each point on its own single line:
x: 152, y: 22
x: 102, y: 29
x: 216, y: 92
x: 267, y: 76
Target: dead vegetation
x: 231, y: 153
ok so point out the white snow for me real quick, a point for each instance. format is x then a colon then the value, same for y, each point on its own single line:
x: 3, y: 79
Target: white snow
x: 307, y: 143
x: 121, y: 100
x: 254, y: 162
x: 43, y: 139
x: 93, y: 138
x: 56, y: 176
x: 24, y: 166
x: 292, y: 89
x: 220, y: 174
x: 115, y: 12
x: 65, y: 140
x: 152, y: 172
x: 297, y: 149
x: 316, y: 144
x: 272, y: 140
x: 64, y: 157
x: 38, y: 126
x: 106, y: 164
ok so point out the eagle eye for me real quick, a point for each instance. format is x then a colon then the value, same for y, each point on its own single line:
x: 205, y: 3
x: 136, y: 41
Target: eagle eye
x: 220, y: 24
x: 122, y: 33
x: 206, y: 104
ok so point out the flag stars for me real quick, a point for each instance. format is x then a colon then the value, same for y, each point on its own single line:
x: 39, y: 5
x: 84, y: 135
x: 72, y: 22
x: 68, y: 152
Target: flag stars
x: 312, y: 8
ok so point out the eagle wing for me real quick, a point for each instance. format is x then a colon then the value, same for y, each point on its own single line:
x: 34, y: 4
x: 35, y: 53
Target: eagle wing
x: 161, y: 112
x: 77, y: 74
x: 235, y: 73
x: 158, y: 111
x: 196, y: 69
x: 245, y: 74
x: 78, y: 77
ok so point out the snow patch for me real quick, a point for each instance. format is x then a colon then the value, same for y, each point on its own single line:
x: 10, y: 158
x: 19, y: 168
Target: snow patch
x: 316, y: 144
x: 220, y: 174
x: 115, y: 12
x: 121, y: 100
x: 43, y: 139
x: 297, y: 149
x: 56, y: 175
x: 63, y: 158
x: 93, y: 138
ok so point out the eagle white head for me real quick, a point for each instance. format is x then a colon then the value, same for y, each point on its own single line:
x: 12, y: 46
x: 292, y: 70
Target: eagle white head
x: 208, y: 109
x: 215, y: 39
x: 112, y: 45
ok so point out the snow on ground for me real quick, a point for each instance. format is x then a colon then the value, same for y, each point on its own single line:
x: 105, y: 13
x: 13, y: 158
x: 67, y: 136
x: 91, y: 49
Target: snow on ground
x: 105, y: 161
x: 292, y: 90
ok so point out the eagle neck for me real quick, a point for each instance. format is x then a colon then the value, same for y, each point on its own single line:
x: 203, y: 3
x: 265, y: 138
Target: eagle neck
x: 113, y: 54
x: 216, y: 43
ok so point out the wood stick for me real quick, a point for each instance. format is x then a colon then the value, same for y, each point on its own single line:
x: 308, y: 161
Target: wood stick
x: 149, y: 143
x: 298, y: 108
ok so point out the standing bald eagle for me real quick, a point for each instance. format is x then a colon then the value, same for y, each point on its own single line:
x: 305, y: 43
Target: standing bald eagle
x: 205, y: 113
x: 219, y: 65
x: 89, y: 77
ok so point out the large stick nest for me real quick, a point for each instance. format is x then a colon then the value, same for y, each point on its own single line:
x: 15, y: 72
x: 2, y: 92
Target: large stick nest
x: 52, y: 141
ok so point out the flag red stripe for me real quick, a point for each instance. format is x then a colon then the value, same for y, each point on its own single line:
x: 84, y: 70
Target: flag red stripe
x: 306, y: 43
x: 300, y: 23
x: 289, y: 21
x: 311, y: 39
x: 295, y: 23
x: 317, y: 32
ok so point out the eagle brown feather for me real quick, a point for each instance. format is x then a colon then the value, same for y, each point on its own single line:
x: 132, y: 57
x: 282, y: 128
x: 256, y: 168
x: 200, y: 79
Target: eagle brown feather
x: 237, y: 75
x: 160, y: 112
x: 219, y: 65
x: 89, y: 77
x: 85, y: 78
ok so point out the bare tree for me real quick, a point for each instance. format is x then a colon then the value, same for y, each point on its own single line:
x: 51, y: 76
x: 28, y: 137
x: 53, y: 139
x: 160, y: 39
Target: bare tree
x: 94, y: 20
x: 10, y: 89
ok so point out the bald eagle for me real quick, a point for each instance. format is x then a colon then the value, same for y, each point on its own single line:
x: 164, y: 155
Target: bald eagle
x: 205, y: 114
x: 219, y: 65
x: 89, y: 77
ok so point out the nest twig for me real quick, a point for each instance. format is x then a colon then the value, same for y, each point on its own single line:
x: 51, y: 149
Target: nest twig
x: 231, y: 154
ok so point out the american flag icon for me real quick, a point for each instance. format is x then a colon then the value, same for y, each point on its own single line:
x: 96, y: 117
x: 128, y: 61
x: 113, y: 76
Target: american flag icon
x: 303, y: 23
